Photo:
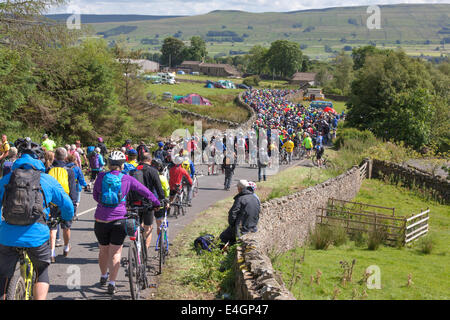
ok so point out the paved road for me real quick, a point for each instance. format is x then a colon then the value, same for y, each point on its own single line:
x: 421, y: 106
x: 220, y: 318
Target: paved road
x: 82, y: 262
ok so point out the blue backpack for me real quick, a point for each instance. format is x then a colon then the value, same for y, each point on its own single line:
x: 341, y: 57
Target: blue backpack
x: 111, y: 190
x: 205, y: 242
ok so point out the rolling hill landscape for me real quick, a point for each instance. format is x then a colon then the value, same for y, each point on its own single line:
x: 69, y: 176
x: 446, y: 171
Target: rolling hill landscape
x: 418, y: 28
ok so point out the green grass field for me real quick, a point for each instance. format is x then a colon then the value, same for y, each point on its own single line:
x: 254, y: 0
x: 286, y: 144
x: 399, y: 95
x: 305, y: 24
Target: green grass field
x: 429, y: 271
x: 408, y: 25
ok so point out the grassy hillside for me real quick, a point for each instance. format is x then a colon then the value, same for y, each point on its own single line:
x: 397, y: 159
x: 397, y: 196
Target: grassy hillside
x: 419, y: 28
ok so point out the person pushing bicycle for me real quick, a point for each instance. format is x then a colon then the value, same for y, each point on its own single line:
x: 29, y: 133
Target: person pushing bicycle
x: 24, y: 223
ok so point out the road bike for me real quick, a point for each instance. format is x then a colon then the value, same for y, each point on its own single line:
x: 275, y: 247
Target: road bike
x: 136, y: 264
x: 162, y: 242
x: 21, y: 285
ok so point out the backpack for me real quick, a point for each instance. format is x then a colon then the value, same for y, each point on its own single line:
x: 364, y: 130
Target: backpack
x: 205, y: 242
x: 187, y: 166
x: 90, y: 149
x: 62, y: 176
x: 159, y: 154
x: 112, y: 190
x: 23, y: 199
x: 94, y: 161
x: 133, y: 196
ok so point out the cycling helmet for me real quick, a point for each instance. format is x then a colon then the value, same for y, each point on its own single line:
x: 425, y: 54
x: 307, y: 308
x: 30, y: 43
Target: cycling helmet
x: 157, y: 163
x: 160, y: 144
x: 100, y: 139
x: 252, y: 186
x: 117, y: 158
x: 132, y: 151
x: 25, y: 146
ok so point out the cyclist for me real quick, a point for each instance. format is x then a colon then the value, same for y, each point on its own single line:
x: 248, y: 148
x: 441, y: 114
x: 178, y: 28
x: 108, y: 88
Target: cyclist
x: 131, y: 163
x: 188, y: 165
x: 141, y: 149
x: 289, y: 147
x: 307, y: 144
x: 102, y: 146
x: 177, y: 173
x: 96, y: 164
x: 29, y: 231
x: 66, y: 177
x: 320, y: 150
x: 159, y: 214
x: 110, y: 191
x: 79, y: 179
x: 4, y: 149
x: 149, y: 177
x: 47, y: 144
x: 7, y: 165
x: 160, y: 153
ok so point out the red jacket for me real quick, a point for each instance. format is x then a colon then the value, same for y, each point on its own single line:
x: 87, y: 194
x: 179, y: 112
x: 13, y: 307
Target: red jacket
x: 177, y: 173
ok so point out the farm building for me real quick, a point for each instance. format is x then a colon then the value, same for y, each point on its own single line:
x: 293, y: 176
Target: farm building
x: 304, y: 79
x: 210, y: 69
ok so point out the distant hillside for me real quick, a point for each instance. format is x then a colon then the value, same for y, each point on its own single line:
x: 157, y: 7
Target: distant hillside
x: 418, y: 28
x: 94, y: 18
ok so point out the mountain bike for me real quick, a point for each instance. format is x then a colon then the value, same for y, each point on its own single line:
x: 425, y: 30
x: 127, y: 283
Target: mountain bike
x: 21, y: 285
x: 178, y: 202
x: 284, y: 157
x: 162, y: 242
x: 326, y: 162
x: 136, y: 264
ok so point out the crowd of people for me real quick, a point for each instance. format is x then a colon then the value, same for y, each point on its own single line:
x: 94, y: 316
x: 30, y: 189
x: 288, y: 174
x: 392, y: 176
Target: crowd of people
x: 53, y: 179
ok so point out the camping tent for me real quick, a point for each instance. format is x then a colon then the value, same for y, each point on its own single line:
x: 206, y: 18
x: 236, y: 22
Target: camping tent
x: 194, y: 99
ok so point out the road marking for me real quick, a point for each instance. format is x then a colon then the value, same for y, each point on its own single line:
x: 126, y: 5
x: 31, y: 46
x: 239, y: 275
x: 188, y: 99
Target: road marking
x: 87, y: 211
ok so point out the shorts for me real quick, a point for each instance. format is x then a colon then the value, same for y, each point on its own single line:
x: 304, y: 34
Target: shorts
x: 111, y: 232
x: 39, y: 256
x: 146, y: 216
x: 55, y: 212
x: 159, y: 214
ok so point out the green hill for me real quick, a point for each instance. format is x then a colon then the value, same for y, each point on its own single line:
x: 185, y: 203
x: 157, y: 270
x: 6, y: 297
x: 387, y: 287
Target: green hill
x: 419, y: 28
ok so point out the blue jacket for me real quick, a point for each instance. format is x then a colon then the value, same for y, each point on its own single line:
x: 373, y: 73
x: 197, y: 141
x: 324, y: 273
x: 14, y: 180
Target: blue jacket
x: 79, y: 176
x: 36, y: 234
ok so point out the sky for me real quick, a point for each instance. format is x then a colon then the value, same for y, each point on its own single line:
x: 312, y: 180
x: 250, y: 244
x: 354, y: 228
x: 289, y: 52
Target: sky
x: 195, y: 7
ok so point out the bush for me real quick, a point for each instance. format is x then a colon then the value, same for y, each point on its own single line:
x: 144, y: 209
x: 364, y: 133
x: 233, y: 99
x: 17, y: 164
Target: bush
x: 426, y: 244
x: 252, y: 81
x: 359, y: 237
x: 376, y: 237
x: 325, y: 235
x: 364, y: 138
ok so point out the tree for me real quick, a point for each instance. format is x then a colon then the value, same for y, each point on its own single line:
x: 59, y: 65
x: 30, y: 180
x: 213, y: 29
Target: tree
x: 173, y: 52
x: 392, y: 96
x: 343, y: 74
x: 257, y: 60
x: 359, y: 55
x: 285, y: 57
x: 197, y: 51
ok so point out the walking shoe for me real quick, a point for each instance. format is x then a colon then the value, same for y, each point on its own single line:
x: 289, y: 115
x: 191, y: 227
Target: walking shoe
x: 103, y: 280
x: 52, y: 260
x: 66, y: 253
x: 59, y: 243
x: 111, y: 289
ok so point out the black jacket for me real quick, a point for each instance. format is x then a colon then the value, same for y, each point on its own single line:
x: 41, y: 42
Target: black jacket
x: 152, y: 181
x: 243, y: 216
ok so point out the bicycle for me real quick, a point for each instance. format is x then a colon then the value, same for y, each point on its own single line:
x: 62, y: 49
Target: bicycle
x: 162, y: 242
x: 21, y: 285
x: 326, y: 162
x: 284, y: 157
x: 178, y: 202
x: 136, y: 264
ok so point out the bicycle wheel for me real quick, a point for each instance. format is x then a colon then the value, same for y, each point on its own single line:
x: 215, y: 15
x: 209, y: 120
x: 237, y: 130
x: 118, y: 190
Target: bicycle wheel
x: 133, y: 273
x: 144, y: 253
x: 161, y: 251
x: 16, y: 288
x: 314, y: 160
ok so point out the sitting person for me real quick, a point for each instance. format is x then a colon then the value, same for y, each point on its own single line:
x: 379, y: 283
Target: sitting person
x: 243, y: 216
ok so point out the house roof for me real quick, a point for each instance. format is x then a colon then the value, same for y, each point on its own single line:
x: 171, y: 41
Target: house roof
x: 304, y: 76
x: 191, y: 62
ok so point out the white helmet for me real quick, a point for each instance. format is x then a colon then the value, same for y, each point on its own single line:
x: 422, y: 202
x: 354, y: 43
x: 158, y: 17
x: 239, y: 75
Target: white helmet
x: 117, y: 158
x: 178, y: 160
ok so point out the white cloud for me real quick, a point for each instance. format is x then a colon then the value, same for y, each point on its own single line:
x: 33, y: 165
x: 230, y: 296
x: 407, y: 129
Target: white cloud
x: 193, y: 7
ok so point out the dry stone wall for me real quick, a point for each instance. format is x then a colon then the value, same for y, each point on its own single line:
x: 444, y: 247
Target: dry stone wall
x: 284, y: 224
